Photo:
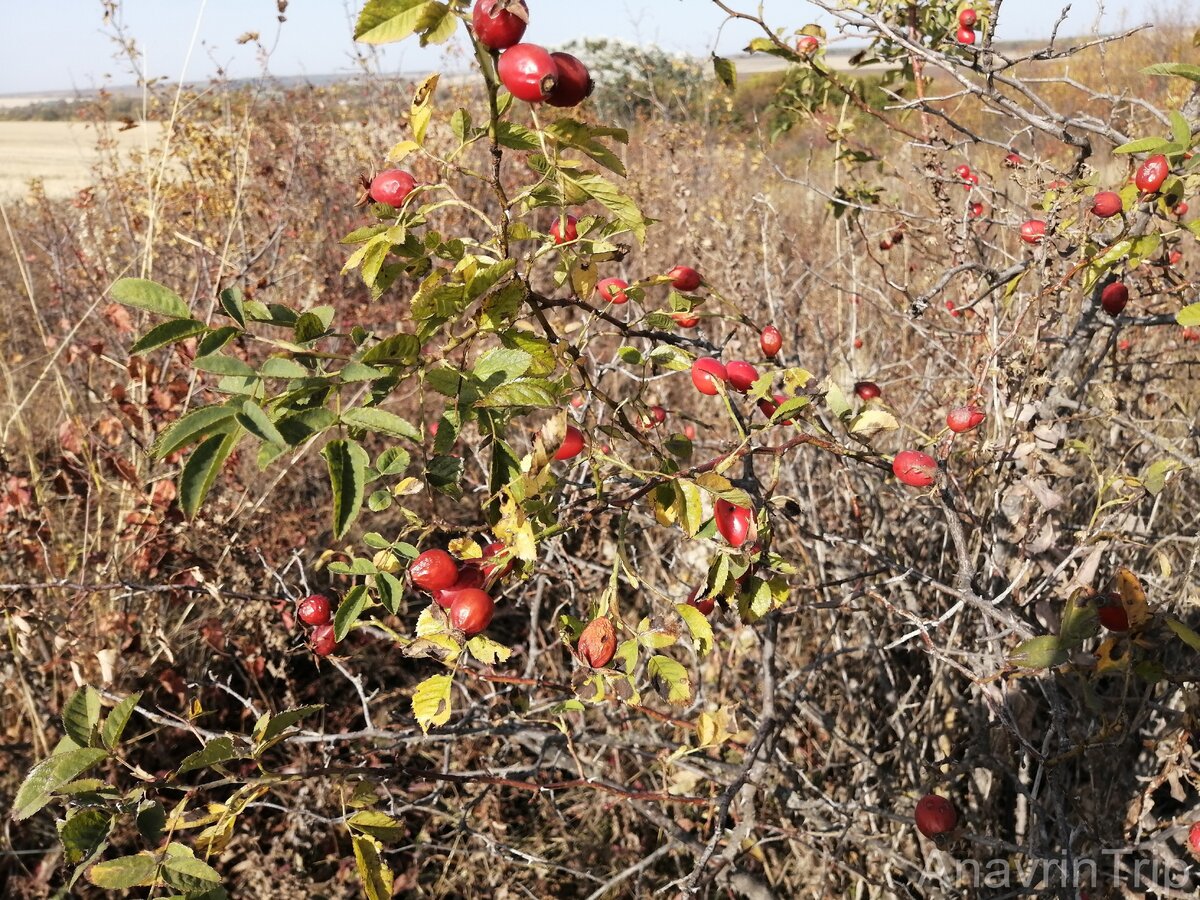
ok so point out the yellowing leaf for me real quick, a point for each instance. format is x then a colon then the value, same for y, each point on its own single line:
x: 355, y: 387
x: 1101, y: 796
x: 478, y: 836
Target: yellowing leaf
x: 698, y: 626
x: 1133, y: 598
x: 669, y: 678
x: 431, y: 701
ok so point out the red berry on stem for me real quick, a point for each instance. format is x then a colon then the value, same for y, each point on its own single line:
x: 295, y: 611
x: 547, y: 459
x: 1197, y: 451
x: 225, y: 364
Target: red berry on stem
x: 470, y: 577
x: 867, y: 390
x: 962, y: 171
x: 1194, y: 838
x: 528, y: 71
x: 598, y: 643
x: 858, y: 343
x: 807, y: 44
x: 1107, y: 204
x: 392, y: 187
x: 975, y: 209
x: 322, y: 640
x: 1174, y: 257
x: 935, y: 816
x: 472, y: 611
x: 704, y: 604
x: 1111, y: 613
x: 685, y: 320
x: 499, y: 29
x: 971, y: 179
x: 741, y: 375
x: 562, y: 235
x: 572, y: 444
x: 689, y: 431
x: 966, y: 35
x: 491, y: 551
x: 1013, y: 159
x: 658, y: 414
x: 574, y: 81
x: 964, y: 418
x: 1181, y: 209
x: 771, y: 341
x: 1152, y: 173
x: 1033, y: 231
x: 706, y: 372
x: 433, y: 570
x: 315, y: 610
x: 733, y: 522
x: 1114, y: 297
x: 914, y: 468
x: 684, y: 278
x: 610, y: 289
x: 968, y: 17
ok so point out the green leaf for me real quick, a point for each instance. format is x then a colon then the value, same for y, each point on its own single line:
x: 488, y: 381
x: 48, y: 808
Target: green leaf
x: 725, y: 71
x: 255, y: 420
x: 124, y: 872
x: 393, y: 461
x: 1189, y: 316
x: 501, y: 365
x: 604, y: 192
x: 117, y: 719
x: 151, y: 821
x: 1184, y: 633
x: 216, y: 339
x: 698, y: 625
x: 201, y: 470
x: 309, y: 327
x: 167, y: 333
x: 399, y: 349
x: 1155, y: 478
x: 1180, y: 129
x: 216, y: 751
x: 380, y: 421
x: 376, y: 877
x: 388, y: 21
x: 81, y: 715
x: 347, y: 464
x: 377, y: 824
x: 349, y: 611
x: 150, y: 296
x: 524, y: 392
x: 356, y: 371
x: 431, y: 701
x: 669, y: 678
x: 1043, y: 652
x: 278, y: 724
x: 1142, y: 145
x: 83, y: 832
x: 49, y: 775
x: 220, y: 364
x: 1183, y: 70
x: 231, y: 302
x: 281, y: 367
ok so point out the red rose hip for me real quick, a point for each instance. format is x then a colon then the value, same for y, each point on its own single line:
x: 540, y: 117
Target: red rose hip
x: 472, y: 611
x: 322, y: 640
x: 966, y: 35
x: 392, y: 187
x: 684, y: 278
x: 433, y: 570
x: 741, y: 375
x: 315, y: 610
x: 574, y: 82
x: 612, y: 290
x: 1107, y: 204
x: 1033, y: 231
x: 967, y: 18
x: 704, y: 604
x: 561, y: 233
x: 1114, y: 297
x: 706, y: 372
x: 499, y: 29
x: 914, y: 468
x: 733, y: 522
x: 866, y: 390
x: 598, y: 643
x: 1152, y: 173
x: 470, y: 576
x: 528, y: 72
x: 935, y: 816
x: 771, y: 341
x: 964, y: 418
x: 572, y: 444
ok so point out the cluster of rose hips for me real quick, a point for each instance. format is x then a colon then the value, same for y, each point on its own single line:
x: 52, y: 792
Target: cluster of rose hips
x: 458, y: 586
x: 917, y: 469
x: 317, y: 612
x: 529, y: 72
x: 967, y: 18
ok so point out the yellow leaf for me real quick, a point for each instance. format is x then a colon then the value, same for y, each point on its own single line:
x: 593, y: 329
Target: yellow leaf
x: 431, y: 702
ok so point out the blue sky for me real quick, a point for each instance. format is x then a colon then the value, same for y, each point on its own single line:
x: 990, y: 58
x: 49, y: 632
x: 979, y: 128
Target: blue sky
x: 61, y: 45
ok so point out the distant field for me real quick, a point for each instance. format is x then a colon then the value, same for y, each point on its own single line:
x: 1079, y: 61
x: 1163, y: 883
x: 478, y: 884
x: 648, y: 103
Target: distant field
x: 60, y: 153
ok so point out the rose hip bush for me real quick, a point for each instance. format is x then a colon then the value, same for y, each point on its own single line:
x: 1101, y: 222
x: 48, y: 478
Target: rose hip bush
x: 541, y: 299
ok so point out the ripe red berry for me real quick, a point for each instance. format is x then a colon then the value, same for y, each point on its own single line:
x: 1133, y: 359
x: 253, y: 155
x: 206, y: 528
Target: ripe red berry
x: 528, y: 71
x: 1174, y: 257
x: 1114, y: 297
x: 684, y: 278
x: 1013, y: 159
x: 315, y: 610
x: 598, y: 643
x: 685, y: 320
x: 471, y: 611
x: 962, y: 172
x: 433, y: 570
x: 574, y: 81
x: 658, y: 414
x: 1181, y: 209
x: 1033, y: 231
x: 499, y: 29
x: 858, y: 343
x: 689, y: 431
x: 885, y: 244
x: 610, y: 289
x: 1111, y: 613
x: 704, y: 604
x: 733, y: 522
x: 491, y: 569
x: 807, y: 44
x: 741, y: 375
x: 572, y: 444
x: 1107, y: 204
x: 971, y: 179
x: 1194, y: 838
x: 706, y: 372
x: 935, y: 816
x: 968, y: 17
x: 966, y: 35
x: 914, y: 468
x: 771, y: 341
x: 322, y: 640
x: 470, y: 577
x: 867, y: 390
x: 1152, y: 173
x: 392, y: 187
x: 952, y: 309
x: 964, y: 418
x: 975, y: 210
x: 562, y: 235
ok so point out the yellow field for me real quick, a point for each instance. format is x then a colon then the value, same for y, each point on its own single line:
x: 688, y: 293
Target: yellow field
x: 60, y: 153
